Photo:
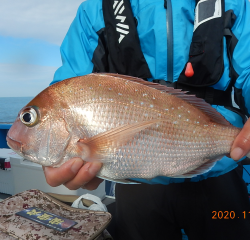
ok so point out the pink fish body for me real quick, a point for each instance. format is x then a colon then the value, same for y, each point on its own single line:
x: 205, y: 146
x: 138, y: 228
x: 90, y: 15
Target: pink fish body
x: 136, y: 128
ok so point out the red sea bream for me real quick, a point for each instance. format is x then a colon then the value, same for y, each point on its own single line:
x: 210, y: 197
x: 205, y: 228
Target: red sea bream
x: 137, y: 129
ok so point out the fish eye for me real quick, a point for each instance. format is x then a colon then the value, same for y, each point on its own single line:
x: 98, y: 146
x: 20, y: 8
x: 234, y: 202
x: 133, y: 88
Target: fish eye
x: 29, y: 116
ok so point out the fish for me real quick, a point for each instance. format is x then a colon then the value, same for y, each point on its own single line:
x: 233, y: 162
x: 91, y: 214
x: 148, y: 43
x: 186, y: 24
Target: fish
x: 136, y: 128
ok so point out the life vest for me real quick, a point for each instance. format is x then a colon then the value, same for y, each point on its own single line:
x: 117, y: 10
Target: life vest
x: 211, y: 25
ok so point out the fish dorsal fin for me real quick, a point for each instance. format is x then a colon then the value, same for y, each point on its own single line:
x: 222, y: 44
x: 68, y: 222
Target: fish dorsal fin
x: 191, y: 99
x: 96, y: 147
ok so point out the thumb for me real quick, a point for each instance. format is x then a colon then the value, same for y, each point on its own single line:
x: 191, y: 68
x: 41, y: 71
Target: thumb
x: 241, y: 145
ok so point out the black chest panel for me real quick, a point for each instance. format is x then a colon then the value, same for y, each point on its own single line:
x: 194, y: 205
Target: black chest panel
x: 120, y: 41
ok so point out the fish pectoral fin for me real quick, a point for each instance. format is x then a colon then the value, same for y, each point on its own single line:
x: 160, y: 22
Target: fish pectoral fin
x: 200, y: 170
x: 100, y: 145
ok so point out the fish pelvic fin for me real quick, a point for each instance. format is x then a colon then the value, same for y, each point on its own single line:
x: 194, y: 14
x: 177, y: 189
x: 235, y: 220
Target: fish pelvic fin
x: 199, y: 103
x: 98, y: 147
x: 122, y: 181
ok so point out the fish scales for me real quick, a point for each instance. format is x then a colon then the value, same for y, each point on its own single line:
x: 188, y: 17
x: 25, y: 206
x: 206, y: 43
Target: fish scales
x: 181, y: 139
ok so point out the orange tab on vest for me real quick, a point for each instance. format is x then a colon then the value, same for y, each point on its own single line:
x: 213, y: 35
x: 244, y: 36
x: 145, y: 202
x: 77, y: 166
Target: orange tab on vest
x: 189, y: 72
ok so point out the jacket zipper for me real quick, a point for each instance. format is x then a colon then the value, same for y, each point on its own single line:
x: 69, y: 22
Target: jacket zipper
x: 170, y: 54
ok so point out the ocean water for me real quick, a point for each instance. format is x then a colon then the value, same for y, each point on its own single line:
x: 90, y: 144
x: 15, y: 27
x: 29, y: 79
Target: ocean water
x: 10, y: 106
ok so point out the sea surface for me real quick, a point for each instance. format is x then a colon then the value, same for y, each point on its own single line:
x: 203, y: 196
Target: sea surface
x: 10, y: 106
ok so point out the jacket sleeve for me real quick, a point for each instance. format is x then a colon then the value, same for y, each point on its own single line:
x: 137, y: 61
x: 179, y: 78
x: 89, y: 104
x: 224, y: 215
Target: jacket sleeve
x: 241, y: 55
x: 80, y: 42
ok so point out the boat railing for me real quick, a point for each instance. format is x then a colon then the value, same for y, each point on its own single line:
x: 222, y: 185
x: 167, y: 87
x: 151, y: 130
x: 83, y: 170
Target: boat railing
x: 4, y: 128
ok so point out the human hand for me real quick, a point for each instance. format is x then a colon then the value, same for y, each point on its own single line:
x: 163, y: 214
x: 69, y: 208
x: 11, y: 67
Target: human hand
x: 74, y: 174
x: 241, y: 145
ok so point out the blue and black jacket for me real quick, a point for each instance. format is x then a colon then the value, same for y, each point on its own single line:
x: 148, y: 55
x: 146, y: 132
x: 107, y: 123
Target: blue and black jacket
x: 164, y: 30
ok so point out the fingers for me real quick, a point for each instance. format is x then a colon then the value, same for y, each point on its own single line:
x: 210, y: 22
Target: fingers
x: 241, y: 145
x: 58, y: 176
x: 93, y: 184
x: 73, y: 174
x: 85, y: 176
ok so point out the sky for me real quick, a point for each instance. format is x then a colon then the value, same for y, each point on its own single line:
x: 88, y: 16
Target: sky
x: 31, y: 32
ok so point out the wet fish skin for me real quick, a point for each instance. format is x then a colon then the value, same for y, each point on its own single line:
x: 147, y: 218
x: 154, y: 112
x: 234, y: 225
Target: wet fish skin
x: 135, y: 130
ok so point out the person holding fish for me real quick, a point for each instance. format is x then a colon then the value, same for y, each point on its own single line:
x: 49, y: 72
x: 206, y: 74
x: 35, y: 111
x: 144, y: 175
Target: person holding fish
x: 119, y: 114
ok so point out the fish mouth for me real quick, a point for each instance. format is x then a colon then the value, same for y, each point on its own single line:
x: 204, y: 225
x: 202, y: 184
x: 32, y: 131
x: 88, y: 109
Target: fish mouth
x: 14, y: 145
